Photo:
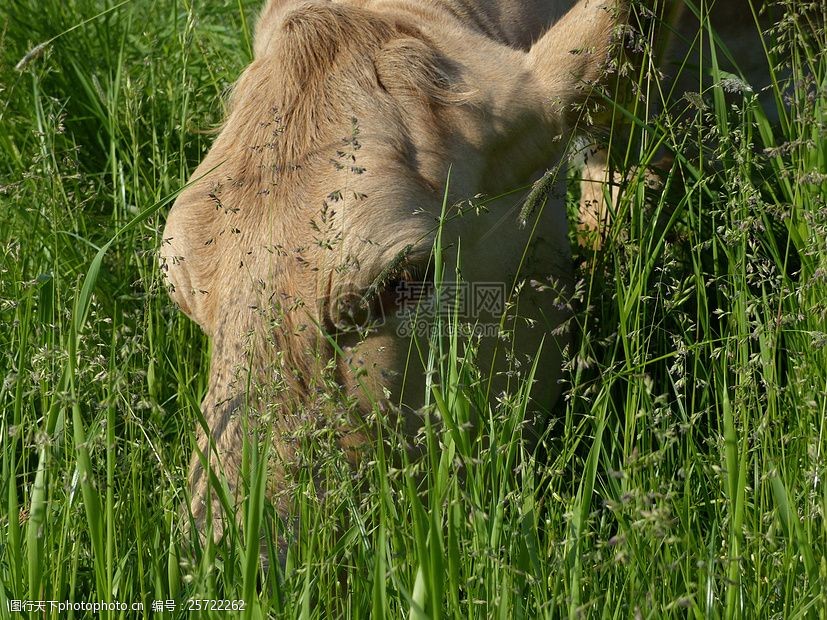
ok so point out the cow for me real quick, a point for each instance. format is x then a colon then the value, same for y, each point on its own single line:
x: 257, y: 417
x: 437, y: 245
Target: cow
x: 353, y: 127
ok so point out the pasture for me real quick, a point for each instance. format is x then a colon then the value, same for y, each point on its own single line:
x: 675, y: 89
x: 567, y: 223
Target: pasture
x: 681, y: 472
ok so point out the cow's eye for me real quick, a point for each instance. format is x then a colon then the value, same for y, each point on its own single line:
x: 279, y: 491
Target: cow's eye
x: 406, y: 291
x: 399, y: 296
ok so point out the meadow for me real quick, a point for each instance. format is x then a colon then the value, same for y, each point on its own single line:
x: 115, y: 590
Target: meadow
x: 682, y: 473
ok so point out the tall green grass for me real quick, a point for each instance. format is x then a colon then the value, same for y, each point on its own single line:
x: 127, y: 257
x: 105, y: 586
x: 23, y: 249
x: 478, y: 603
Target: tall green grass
x: 683, y: 473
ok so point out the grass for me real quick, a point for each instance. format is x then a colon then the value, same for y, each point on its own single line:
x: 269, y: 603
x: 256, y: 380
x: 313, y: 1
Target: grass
x: 682, y: 475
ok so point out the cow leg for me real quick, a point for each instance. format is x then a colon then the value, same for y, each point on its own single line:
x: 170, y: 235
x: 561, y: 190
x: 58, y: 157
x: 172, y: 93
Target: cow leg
x: 597, y: 198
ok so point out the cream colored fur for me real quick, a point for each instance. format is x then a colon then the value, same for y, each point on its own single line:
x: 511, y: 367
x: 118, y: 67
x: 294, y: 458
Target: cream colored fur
x: 332, y: 164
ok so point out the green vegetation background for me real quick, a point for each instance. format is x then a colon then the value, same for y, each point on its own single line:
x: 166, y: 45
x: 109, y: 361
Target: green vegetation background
x: 682, y: 475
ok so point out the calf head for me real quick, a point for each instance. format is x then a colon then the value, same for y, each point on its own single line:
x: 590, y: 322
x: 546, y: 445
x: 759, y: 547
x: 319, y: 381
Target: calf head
x: 319, y: 201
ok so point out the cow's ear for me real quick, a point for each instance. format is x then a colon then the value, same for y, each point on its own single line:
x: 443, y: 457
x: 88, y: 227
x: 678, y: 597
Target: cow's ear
x: 268, y: 22
x: 574, y: 53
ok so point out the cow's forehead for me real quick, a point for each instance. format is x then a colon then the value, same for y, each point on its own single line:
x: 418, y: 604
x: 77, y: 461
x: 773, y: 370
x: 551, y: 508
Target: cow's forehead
x: 354, y: 157
x: 320, y: 68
